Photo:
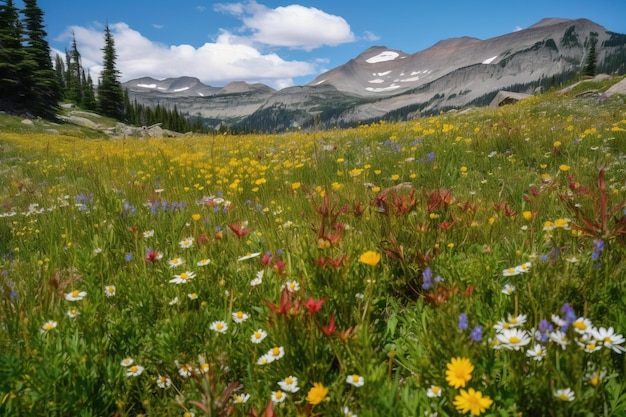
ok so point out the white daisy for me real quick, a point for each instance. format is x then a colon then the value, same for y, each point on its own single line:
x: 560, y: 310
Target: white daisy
x: 289, y: 384
x: 183, y: 278
x: 258, y: 336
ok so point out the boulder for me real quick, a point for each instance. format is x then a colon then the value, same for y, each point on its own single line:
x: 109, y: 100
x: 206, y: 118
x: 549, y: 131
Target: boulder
x: 619, y: 88
x: 507, y: 97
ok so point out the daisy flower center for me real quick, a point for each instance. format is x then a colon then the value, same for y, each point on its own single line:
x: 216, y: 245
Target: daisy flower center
x: 514, y: 340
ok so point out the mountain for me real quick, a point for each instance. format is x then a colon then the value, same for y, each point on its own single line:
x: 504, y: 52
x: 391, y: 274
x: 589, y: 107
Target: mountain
x: 384, y: 83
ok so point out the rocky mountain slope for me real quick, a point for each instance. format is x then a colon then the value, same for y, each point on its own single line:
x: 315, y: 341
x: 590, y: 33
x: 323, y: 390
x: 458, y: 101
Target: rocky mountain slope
x: 387, y: 83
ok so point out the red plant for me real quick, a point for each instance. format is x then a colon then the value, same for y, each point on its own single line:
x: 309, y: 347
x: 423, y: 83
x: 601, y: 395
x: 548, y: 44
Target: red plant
x: 284, y: 305
x: 238, y: 230
x: 314, y: 306
x: 330, y: 328
x: 606, y: 222
x: 152, y: 256
x: 440, y: 197
x: 335, y: 263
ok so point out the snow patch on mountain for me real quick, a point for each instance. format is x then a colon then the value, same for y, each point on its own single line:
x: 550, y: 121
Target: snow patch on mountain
x: 490, y: 60
x: 382, y: 57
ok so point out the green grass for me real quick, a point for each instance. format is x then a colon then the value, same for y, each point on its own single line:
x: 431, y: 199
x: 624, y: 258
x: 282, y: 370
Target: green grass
x: 379, y: 252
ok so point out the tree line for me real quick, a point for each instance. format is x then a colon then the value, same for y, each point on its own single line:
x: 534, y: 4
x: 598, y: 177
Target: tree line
x: 31, y: 84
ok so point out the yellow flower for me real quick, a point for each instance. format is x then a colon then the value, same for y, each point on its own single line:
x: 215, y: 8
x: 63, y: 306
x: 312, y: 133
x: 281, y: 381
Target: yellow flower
x: 295, y: 185
x: 527, y: 215
x: 316, y: 394
x: 195, y: 217
x: 564, y: 167
x: 459, y: 372
x: 472, y: 401
x: 370, y: 258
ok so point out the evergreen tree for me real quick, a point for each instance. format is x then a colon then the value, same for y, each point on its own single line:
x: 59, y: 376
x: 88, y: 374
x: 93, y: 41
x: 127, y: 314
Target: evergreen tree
x: 592, y: 57
x: 59, y: 68
x: 74, y: 92
x: 11, y: 59
x: 110, y: 93
x: 89, y: 97
x: 43, y: 91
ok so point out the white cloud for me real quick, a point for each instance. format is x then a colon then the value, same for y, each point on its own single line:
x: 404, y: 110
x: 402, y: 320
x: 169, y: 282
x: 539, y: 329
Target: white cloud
x: 224, y: 60
x: 517, y: 28
x: 292, y: 26
x: 370, y: 36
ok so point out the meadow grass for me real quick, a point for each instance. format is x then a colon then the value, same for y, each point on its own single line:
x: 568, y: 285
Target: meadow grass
x: 466, y: 263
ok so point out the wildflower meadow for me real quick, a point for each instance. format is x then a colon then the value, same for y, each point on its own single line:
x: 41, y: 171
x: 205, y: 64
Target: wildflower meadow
x: 471, y: 263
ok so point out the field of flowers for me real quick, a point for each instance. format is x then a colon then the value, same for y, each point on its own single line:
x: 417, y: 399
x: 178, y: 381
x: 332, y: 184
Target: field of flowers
x: 470, y: 263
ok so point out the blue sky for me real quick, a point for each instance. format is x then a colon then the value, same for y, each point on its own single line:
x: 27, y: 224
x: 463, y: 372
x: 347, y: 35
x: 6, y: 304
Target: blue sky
x: 282, y: 43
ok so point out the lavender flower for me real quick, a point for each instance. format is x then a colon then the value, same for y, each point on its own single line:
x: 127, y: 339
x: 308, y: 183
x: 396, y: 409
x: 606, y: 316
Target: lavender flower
x: 462, y: 321
x: 427, y: 277
x: 477, y: 333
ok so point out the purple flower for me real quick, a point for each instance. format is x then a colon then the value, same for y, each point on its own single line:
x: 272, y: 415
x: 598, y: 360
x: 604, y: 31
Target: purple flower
x: 462, y: 321
x: 568, y: 315
x: 430, y: 157
x: 544, y: 329
x: 477, y: 333
x: 427, y: 277
x: 598, y: 247
x: 129, y: 257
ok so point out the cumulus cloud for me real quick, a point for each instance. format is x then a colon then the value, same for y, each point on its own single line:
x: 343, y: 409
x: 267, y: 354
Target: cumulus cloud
x: 292, y: 26
x: 216, y: 63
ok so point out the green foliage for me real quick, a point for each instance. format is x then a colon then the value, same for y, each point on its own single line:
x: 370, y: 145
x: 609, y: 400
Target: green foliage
x: 110, y: 93
x: 380, y: 252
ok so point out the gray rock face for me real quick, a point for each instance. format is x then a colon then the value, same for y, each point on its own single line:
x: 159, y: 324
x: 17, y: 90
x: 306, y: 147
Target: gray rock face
x: 619, y: 88
x: 453, y: 73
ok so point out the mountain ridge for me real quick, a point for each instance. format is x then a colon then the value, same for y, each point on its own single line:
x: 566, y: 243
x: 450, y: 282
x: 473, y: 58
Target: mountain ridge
x: 381, y: 81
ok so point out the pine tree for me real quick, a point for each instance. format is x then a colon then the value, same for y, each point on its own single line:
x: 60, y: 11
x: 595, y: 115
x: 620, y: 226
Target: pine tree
x: 74, y: 92
x: 89, y: 97
x: 43, y: 91
x: 110, y: 93
x: 592, y: 57
x: 11, y: 59
x: 59, y: 68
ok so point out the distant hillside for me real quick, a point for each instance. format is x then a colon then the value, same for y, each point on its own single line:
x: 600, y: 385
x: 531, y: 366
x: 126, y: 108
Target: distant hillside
x: 386, y: 83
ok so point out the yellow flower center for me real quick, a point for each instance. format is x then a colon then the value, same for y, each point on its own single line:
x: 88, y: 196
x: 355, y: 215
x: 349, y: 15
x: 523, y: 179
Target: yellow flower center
x: 275, y: 351
x: 239, y: 315
x: 355, y: 378
x: 289, y: 380
x: 436, y: 390
x: 219, y: 326
x: 591, y: 346
x: 134, y: 368
x: 184, y: 276
x: 279, y: 395
x: 514, y: 340
x: 580, y: 325
x: 75, y: 293
x: 563, y: 397
x: 257, y: 335
x: 607, y: 340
